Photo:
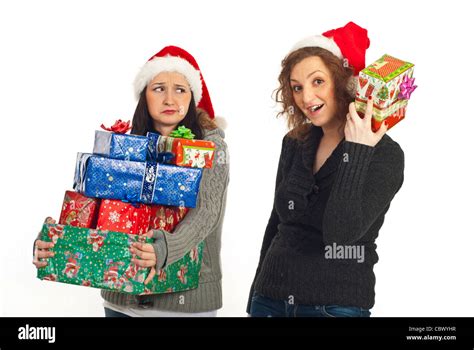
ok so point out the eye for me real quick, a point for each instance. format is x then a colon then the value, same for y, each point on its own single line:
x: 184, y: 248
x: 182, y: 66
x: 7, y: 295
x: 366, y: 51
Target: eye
x: 159, y: 89
x: 296, y: 88
x: 318, y: 81
x: 181, y: 90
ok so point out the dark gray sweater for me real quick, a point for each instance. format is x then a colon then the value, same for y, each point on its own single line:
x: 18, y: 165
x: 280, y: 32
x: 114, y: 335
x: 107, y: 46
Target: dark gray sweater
x: 339, y: 209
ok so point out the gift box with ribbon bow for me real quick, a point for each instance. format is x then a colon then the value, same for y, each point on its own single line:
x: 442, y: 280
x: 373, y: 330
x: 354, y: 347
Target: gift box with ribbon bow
x: 102, y: 259
x: 181, y: 149
x: 115, y: 143
x: 390, y: 82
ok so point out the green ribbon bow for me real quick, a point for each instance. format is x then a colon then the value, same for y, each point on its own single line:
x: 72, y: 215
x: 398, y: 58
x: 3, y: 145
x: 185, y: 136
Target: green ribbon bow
x: 182, y: 132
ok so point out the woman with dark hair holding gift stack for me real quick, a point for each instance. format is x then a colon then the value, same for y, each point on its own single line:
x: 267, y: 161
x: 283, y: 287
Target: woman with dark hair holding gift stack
x: 335, y: 181
x: 171, y: 91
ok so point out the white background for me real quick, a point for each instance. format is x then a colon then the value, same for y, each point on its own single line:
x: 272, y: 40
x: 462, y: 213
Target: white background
x: 67, y: 67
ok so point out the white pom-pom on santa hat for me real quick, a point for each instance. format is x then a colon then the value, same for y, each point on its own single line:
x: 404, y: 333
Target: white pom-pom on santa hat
x: 221, y: 122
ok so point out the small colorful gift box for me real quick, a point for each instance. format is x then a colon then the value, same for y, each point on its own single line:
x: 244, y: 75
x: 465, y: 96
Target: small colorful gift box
x: 136, y: 182
x: 101, y: 259
x: 186, y: 151
x: 79, y: 210
x: 118, y: 216
x: 165, y: 217
x: 115, y: 143
x: 390, y: 82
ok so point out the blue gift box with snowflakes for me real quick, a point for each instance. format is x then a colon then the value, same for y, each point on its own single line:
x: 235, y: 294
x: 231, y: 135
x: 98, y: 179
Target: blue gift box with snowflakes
x: 136, y: 182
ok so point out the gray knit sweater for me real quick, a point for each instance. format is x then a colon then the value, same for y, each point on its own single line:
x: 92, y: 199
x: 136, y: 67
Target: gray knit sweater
x: 201, y: 223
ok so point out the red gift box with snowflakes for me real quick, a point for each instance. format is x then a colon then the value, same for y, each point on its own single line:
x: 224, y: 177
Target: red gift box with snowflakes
x: 118, y: 216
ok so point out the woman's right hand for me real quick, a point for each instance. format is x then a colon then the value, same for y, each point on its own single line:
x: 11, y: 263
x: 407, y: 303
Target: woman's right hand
x: 42, y: 248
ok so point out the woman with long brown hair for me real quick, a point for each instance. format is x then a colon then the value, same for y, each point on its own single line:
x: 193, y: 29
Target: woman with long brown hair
x: 335, y: 181
x: 171, y: 92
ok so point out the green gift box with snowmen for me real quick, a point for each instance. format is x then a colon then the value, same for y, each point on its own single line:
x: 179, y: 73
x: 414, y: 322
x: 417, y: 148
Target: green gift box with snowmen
x: 101, y: 259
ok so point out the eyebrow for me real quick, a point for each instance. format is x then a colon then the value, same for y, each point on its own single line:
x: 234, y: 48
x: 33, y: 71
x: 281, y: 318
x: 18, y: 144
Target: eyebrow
x: 310, y: 74
x: 163, y: 83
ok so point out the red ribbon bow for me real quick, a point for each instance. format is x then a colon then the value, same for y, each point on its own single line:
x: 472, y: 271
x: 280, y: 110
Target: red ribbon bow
x: 120, y: 127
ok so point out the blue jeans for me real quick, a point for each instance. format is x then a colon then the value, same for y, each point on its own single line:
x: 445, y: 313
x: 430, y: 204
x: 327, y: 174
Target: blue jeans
x: 265, y: 307
x: 113, y: 313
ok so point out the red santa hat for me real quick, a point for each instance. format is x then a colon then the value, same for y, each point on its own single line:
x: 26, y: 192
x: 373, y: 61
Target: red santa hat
x: 175, y: 59
x: 349, y: 42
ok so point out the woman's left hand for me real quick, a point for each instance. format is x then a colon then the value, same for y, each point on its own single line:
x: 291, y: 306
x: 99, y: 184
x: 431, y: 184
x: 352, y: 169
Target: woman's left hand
x: 147, y: 256
x: 359, y: 130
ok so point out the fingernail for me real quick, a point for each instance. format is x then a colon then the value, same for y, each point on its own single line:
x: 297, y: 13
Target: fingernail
x: 370, y: 97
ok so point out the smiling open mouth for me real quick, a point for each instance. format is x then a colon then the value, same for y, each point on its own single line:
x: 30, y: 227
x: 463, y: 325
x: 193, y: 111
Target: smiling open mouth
x: 316, y: 107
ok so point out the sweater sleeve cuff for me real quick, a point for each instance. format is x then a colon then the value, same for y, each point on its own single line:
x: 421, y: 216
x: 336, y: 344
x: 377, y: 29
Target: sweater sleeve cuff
x: 353, y: 169
x: 161, y: 248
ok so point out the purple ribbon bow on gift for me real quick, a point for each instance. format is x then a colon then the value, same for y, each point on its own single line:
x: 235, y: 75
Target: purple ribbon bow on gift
x: 406, y: 88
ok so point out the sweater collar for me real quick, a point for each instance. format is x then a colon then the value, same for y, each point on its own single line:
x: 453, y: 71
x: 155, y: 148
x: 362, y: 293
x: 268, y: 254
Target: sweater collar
x: 309, y: 147
x: 301, y: 181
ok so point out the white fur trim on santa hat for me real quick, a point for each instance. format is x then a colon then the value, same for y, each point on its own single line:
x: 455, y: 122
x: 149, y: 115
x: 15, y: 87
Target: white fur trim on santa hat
x: 169, y: 64
x: 319, y: 41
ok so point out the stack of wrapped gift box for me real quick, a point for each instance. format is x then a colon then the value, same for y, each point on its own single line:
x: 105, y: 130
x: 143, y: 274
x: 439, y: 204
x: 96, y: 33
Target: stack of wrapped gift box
x: 129, y: 185
x: 390, y: 82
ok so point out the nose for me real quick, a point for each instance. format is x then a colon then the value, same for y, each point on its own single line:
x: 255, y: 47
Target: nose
x: 308, y: 95
x: 168, y: 98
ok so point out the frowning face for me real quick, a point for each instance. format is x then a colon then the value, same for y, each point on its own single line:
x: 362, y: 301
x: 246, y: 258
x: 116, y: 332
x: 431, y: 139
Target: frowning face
x: 168, y: 97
